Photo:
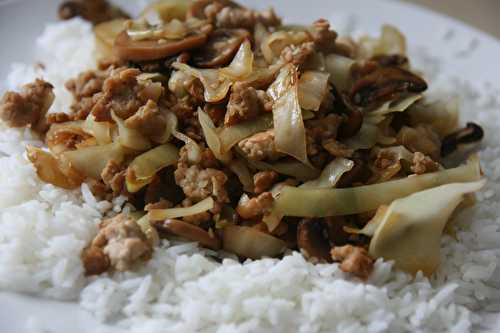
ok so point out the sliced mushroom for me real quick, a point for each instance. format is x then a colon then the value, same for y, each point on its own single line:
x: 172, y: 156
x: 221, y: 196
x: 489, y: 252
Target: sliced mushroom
x: 127, y: 49
x: 220, y: 48
x: 383, y: 84
x: 251, y: 243
x: 472, y: 133
x: 95, y: 11
x: 189, y: 231
x: 312, y: 239
x: 359, y: 173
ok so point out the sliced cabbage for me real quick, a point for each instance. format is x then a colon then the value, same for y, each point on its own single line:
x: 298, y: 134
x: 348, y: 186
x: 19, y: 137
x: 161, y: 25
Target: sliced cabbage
x: 392, y: 106
x: 51, y: 170
x: 441, y: 115
x: 229, y: 136
x: 144, y: 167
x: 251, y: 243
x: 166, y: 10
x: 212, y: 138
x: 216, y: 88
x: 240, y: 169
x: 331, y: 174
x: 339, y: 68
x: 313, y: 87
x: 58, y: 133
x: 309, y: 202
x: 294, y: 169
x: 105, y: 35
x: 410, y: 230
x: 391, y: 41
x: 148, y: 230
x: 172, y: 213
x: 193, y: 149
x: 289, y: 130
x: 242, y: 64
x: 90, y: 161
x: 128, y: 137
x: 101, y: 131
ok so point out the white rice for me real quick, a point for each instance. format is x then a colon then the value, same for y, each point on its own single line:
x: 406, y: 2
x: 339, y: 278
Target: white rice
x: 43, y: 229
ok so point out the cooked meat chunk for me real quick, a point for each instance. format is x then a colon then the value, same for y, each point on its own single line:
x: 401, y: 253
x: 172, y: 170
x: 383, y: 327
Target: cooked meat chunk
x: 113, y: 175
x: 149, y: 121
x: 95, y: 11
x: 245, y: 104
x: 29, y: 107
x: 86, y: 84
x: 420, y: 139
x: 324, y: 38
x: 255, y: 207
x: 263, y: 180
x: 260, y: 146
x: 231, y: 17
x: 337, y: 149
x: 58, y: 117
x: 298, y: 54
x: 120, y: 242
x: 124, y: 94
x: 354, y: 260
x: 422, y: 164
x: 197, y: 182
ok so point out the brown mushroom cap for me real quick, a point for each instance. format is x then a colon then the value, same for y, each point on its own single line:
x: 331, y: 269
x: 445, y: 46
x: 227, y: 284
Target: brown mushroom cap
x: 383, y: 84
x: 127, y: 49
x: 312, y: 239
x: 220, y: 48
x: 189, y: 231
x: 472, y: 133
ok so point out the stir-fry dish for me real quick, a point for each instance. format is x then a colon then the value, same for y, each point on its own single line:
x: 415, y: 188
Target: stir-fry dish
x: 224, y: 126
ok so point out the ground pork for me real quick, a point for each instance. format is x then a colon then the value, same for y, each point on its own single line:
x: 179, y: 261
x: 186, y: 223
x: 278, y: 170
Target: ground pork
x: 422, y: 164
x: 86, y: 84
x: 197, y: 182
x: 113, y: 175
x: 149, y: 121
x: 354, y: 260
x: 260, y: 147
x: 245, y: 104
x: 29, y: 107
x: 232, y: 17
x: 120, y: 244
x: 254, y: 207
x: 323, y: 37
x: 263, y: 180
x: 298, y: 54
x: 124, y: 94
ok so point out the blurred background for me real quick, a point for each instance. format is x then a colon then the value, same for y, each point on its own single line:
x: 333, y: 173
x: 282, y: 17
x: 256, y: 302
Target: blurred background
x: 483, y: 14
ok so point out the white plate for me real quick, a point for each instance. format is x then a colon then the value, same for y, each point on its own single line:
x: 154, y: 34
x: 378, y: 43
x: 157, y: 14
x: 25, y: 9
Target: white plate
x: 463, y: 50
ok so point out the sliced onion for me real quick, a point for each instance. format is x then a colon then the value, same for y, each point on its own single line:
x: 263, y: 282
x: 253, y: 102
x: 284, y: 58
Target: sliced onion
x: 172, y: 213
x: 331, y: 174
x: 290, y: 133
x: 58, y: 133
x: 145, y: 166
x: 90, y: 161
x: 240, y: 169
x: 391, y: 41
x: 242, y: 65
x: 229, y: 136
x: 333, y: 202
x: 50, y: 169
x: 393, y: 106
x: 128, y: 137
x: 313, y: 87
x: 101, y: 131
x: 211, y: 137
x: 410, y: 230
x: 193, y: 149
x: 216, y: 88
x: 251, y: 243
x: 442, y: 115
